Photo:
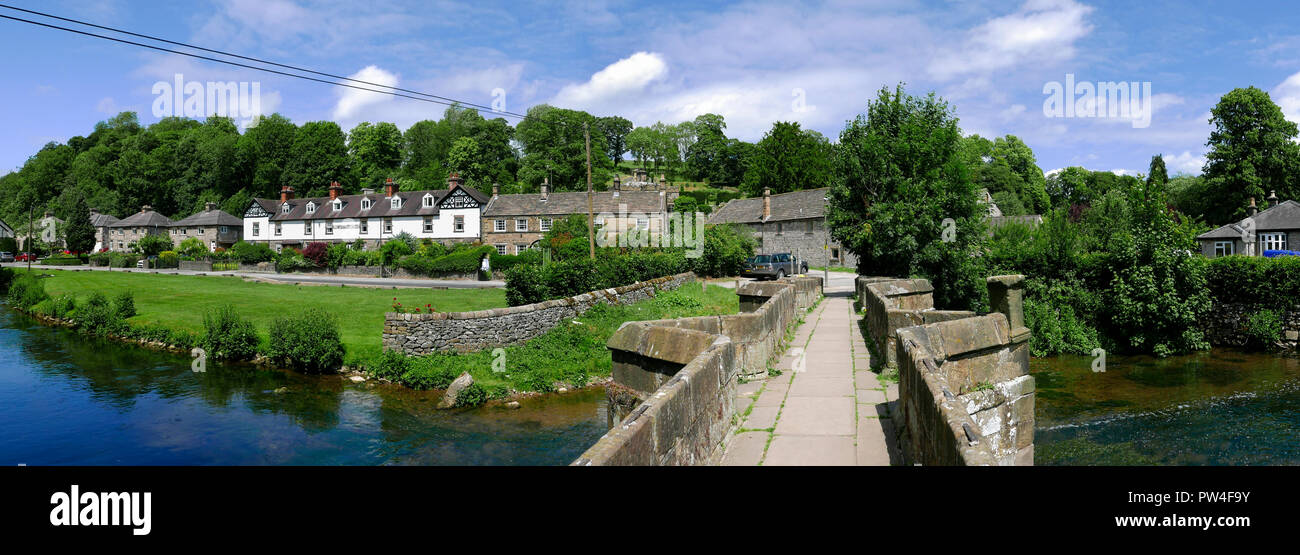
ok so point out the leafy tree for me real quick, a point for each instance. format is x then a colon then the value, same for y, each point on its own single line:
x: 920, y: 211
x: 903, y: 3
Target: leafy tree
x: 151, y: 245
x: 78, y: 233
x: 615, y: 130
x: 1252, y: 152
x: 1157, y: 175
x: 899, y: 175
x: 318, y: 157
x: 554, y: 148
x: 376, y: 151
x: 789, y: 158
x: 263, y: 152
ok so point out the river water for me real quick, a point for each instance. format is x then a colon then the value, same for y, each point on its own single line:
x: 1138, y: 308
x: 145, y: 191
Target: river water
x: 69, y: 400
x: 1219, y: 407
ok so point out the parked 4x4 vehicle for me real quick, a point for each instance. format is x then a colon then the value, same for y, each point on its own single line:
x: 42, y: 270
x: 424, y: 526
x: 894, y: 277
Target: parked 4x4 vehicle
x: 6, y: 257
x: 773, y: 266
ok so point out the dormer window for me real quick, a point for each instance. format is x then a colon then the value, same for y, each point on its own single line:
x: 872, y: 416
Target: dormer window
x: 338, y: 205
x: 311, y: 208
x: 428, y: 201
x: 285, y: 208
x: 396, y: 203
x: 365, y: 204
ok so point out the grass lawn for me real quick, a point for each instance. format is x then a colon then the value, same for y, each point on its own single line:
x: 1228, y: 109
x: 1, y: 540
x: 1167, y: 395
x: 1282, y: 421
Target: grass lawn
x: 571, y: 353
x: 181, y: 301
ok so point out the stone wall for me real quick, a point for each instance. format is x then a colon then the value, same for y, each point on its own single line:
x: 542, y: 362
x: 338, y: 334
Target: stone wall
x: 421, y: 334
x: 965, y: 393
x: 807, y: 238
x: 891, y: 304
x: 672, y: 399
x: 1226, y: 325
x: 195, y: 265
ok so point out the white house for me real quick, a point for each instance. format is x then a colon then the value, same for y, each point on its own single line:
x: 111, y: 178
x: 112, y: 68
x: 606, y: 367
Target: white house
x: 450, y: 215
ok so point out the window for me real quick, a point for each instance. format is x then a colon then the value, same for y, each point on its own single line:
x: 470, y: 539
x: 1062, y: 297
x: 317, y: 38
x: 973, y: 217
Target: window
x: 499, y: 225
x: 835, y: 254
x: 460, y: 224
x: 388, y: 225
x: 1224, y: 248
x: 223, y: 229
x: 545, y: 224
x: 395, y: 203
x: 278, y: 229
x: 365, y: 204
x: 428, y: 201
x: 643, y: 223
x: 284, y: 208
x: 521, y: 224
x: 307, y: 228
x: 311, y: 208
x: 329, y: 227
x: 428, y: 223
x: 365, y: 226
x: 1272, y: 242
x: 520, y: 248
x: 501, y: 248
x: 338, y: 205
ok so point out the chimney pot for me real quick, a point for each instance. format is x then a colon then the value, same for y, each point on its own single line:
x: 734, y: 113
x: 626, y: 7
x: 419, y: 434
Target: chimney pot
x: 1272, y: 199
x: 1252, y: 210
x: 767, y: 202
x: 454, y: 180
x: 546, y: 183
x: 286, y: 194
x: 209, y: 206
x: 496, y: 190
x: 335, y: 188
x: 390, y: 187
x: 146, y: 208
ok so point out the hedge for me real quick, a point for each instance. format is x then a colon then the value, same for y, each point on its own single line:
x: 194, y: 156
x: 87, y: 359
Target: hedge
x: 1255, y: 281
x: 463, y: 261
x: 504, y: 262
x: 528, y: 284
x: 61, y: 260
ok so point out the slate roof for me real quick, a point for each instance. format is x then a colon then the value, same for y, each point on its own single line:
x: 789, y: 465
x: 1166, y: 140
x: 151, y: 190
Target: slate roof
x: 102, y: 220
x: 797, y: 205
x: 209, y: 218
x: 1284, y: 216
x: 380, y: 207
x: 574, y: 202
x: 144, y: 218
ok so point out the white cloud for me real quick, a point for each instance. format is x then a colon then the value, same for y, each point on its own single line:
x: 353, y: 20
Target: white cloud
x: 1287, y: 97
x: 1186, y: 162
x: 1040, y: 31
x: 629, y: 76
x: 351, y: 101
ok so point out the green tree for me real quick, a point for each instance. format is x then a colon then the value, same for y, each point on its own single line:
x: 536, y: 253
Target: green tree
x: 78, y: 233
x: 318, y: 157
x: 263, y: 152
x: 1252, y: 152
x: 1157, y: 175
x: 554, y: 148
x: 376, y: 151
x: 615, y: 130
x: 902, y: 200
x: 789, y: 158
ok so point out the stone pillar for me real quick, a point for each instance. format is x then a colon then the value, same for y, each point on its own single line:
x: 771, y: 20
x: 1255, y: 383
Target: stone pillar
x: 1006, y: 295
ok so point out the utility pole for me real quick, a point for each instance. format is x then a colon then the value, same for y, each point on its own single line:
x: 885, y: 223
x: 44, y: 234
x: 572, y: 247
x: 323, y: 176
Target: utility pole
x: 591, y: 236
x: 29, y: 239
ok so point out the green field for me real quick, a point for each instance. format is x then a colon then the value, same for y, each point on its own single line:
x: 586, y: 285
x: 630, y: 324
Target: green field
x: 180, y: 301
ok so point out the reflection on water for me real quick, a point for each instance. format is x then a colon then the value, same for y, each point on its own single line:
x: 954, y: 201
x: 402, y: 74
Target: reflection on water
x: 1220, y: 407
x: 68, y: 399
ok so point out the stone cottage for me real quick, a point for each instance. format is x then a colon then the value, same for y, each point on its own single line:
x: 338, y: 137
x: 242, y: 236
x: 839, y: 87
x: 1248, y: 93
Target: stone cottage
x: 101, y: 223
x: 127, y: 231
x: 216, y: 228
x: 792, y: 222
x: 513, y: 222
x: 1276, y: 228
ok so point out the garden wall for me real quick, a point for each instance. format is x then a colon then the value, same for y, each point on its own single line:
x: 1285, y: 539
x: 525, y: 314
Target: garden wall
x: 1225, y: 325
x: 965, y: 393
x: 672, y: 399
x: 420, y: 334
x: 195, y: 266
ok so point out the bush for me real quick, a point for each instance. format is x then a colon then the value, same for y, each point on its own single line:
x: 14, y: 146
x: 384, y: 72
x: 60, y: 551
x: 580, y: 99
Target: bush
x: 62, y: 260
x: 390, y: 365
x: 726, y: 247
x: 307, y: 342
x: 125, y: 304
x: 167, y: 259
x: 228, y: 336
x: 525, y: 285
x: 26, y: 291
x: 251, y: 253
x: 393, y: 250
x: 504, y: 262
x: 317, y: 253
x: 193, y: 248
x: 461, y: 261
x: 152, y: 245
x: 98, y: 317
x: 1264, y: 328
x: 531, y: 284
x: 1254, y: 281
x: 59, y: 307
x: 472, y: 396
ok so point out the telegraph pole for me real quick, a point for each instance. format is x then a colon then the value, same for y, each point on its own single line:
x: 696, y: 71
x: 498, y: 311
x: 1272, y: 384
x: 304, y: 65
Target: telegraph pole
x: 591, y: 237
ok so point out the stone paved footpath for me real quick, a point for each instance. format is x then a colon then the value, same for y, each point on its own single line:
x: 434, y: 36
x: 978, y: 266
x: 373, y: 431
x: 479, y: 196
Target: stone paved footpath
x: 831, y: 410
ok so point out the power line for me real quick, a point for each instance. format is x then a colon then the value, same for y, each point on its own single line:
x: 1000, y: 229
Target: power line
x: 434, y: 99
x: 258, y: 60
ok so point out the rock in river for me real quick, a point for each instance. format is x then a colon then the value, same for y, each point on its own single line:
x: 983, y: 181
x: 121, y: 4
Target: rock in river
x: 449, y: 398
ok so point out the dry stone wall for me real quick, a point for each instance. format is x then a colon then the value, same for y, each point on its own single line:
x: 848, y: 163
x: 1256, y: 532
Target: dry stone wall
x: 421, y: 334
x: 1226, y: 325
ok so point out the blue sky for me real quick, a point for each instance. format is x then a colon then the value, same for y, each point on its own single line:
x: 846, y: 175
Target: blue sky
x: 754, y: 62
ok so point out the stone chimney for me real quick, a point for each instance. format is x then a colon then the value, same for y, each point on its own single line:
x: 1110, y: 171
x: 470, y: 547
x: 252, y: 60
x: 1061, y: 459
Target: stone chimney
x: 546, y: 185
x: 767, y: 203
x: 617, y: 183
x: 1272, y: 199
x: 286, y: 194
x: 390, y: 188
x: 335, y: 189
x: 146, y: 208
x: 454, y: 180
x: 496, y: 190
x: 367, y: 191
x: 1252, y: 210
x: 209, y: 206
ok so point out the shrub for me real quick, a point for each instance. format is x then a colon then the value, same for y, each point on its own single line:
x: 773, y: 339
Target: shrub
x: 251, y: 253
x: 393, y: 250
x: 193, y: 248
x: 228, y: 336
x: 125, y: 304
x: 389, y: 365
x: 317, y: 253
x: 307, y: 342
x: 1263, y: 328
x: 97, y: 316
x: 167, y: 259
x: 1254, y: 281
x: 26, y: 291
x: 462, y: 261
x: 152, y: 245
x: 726, y: 247
x: 530, y: 284
x: 473, y: 395
x: 525, y: 285
x: 62, y: 260
x: 504, y: 262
